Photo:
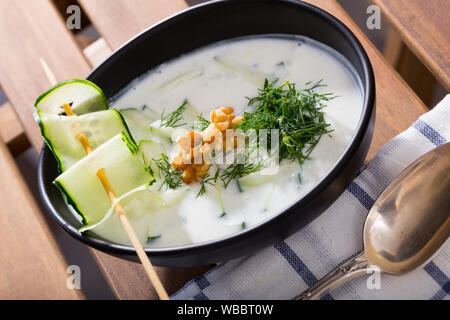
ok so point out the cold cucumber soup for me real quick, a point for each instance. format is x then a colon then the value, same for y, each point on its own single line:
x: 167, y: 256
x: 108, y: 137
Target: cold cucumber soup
x: 175, y: 108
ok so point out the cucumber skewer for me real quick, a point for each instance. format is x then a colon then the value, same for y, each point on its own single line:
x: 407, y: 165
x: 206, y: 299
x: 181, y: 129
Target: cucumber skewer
x: 123, y: 218
x: 154, y: 279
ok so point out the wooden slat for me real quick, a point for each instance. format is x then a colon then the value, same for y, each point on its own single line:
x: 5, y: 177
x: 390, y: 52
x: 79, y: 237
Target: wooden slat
x: 397, y: 105
x: 392, y: 47
x: 425, y: 28
x: 120, y: 20
x: 30, y: 30
x: 129, y: 281
x: 11, y: 130
x: 31, y: 265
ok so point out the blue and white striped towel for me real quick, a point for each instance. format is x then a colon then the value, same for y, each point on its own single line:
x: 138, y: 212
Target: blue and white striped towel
x: 286, y: 269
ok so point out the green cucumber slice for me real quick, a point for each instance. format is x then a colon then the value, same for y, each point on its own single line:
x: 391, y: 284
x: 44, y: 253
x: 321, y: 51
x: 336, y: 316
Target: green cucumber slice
x: 138, y: 123
x: 163, y: 132
x: 267, y: 175
x: 122, y: 166
x: 183, y: 78
x: 149, y: 112
x: 220, y: 199
x: 150, y: 150
x: 60, y: 133
x: 83, y: 95
x: 255, y: 179
x: 151, y: 200
x: 254, y: 76
x: 190, y: 114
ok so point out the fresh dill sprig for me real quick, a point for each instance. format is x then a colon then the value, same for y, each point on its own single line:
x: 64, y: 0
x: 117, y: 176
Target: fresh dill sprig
x: 207, y: 179
x: 297, y: 114
x: 175, y: 118
x: 201, y: 123
x: 237, y: 170
x: 217, y: 175
x: 171, y: 177
x: 203, y: 182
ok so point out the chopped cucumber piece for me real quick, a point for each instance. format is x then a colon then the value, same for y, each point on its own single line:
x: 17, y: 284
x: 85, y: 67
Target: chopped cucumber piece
x: 178, y: 132
x: 152, y: 200
x: 150, y: 150
x: 240, y: 188
x: 122, y: 166
x: 182, y: 78
x: 219, y: 197
x: 254, y: 76
x: 60, y: 133
x: 269, y: 196
x: 142, y: 118
x: 138, y: 123
x: 83, y: 95
x: 149, y: 112
x: 190, y: 114
x: 161, y: 131
x: 169, y: 198
x: 255, y: 179
x: 298, y: 176
x: 268, y: 174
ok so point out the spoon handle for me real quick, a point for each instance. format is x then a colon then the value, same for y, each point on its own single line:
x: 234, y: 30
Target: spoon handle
x: 353, y: 268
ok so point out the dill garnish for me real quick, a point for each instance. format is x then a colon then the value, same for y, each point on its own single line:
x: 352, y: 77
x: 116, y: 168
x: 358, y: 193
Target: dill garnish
x: 297, y: 114
x: 207, y: 180
x: 175, y: 118
x: 237, y: 170
x: 201, y: 123
x: 203, y: 182
x: 171, y: 177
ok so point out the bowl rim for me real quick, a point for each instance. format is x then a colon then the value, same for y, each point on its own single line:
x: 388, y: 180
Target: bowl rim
x: 368, y: 85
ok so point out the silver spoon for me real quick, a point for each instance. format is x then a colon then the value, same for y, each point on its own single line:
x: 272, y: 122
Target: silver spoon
x: 406, y: 226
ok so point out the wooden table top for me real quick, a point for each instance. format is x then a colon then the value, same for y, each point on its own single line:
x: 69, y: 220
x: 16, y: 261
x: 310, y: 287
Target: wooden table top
x: 424, y: 25
x: 25, y: 37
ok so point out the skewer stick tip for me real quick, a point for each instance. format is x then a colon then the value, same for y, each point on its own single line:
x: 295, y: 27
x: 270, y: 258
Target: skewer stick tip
x: 50, y: 75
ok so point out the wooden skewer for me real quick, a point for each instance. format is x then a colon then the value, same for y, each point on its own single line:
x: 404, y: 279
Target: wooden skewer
x: 151, y: 273
x: 50, y: 76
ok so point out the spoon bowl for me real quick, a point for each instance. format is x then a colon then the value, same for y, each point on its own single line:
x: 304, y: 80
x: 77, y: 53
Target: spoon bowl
x: 410, y: 220
x: 406, y: 226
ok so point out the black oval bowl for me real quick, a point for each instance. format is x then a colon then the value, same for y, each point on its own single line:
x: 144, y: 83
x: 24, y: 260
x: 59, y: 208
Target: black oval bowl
x: 197, y: 27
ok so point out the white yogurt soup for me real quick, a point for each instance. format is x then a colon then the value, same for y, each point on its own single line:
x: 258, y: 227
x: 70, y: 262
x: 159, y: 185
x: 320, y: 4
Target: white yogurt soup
x: 226, y: 74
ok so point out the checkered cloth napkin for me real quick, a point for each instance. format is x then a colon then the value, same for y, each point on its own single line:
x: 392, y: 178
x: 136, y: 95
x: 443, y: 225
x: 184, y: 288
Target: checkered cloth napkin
x: 286, y: 269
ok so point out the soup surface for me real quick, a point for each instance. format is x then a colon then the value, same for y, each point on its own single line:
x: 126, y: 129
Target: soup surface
x: 225, y: 74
